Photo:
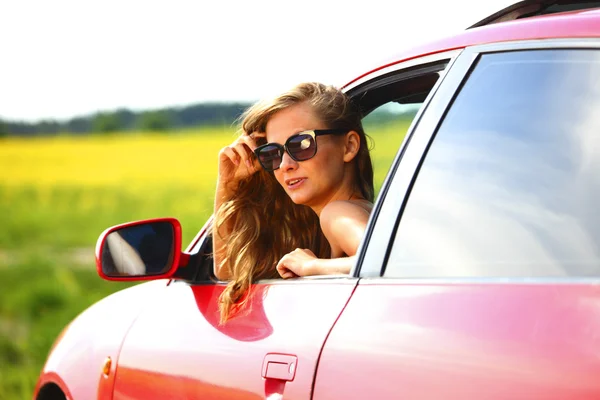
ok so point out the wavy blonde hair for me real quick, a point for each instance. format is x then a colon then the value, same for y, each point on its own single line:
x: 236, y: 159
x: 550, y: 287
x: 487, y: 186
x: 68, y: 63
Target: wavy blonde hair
x: 265, y: 223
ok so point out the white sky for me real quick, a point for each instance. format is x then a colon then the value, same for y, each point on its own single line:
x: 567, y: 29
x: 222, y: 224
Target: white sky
x: 63, y: 58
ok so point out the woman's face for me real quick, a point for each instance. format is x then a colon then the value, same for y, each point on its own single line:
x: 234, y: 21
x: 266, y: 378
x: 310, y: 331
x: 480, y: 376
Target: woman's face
x: 316, y: 181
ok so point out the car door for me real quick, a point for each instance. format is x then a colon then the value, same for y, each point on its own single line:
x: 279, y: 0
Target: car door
x: 483, y: 278
x: 176, y: 348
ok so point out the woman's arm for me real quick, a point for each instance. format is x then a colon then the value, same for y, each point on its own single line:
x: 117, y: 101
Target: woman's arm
x: 343, y: 224
x: 303, y: 262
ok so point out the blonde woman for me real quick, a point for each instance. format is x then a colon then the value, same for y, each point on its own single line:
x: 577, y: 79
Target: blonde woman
x: 294, y: 191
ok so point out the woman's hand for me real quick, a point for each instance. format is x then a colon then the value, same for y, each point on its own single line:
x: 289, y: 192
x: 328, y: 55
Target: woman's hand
x: 299, y: 262
x: 237, y: 161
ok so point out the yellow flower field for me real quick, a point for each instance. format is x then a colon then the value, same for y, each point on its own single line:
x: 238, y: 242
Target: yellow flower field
x: 121, y: 159
x: 129, y: 159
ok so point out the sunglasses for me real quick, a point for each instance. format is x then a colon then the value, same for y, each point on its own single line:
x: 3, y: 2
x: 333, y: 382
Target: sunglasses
x: 301, y: 147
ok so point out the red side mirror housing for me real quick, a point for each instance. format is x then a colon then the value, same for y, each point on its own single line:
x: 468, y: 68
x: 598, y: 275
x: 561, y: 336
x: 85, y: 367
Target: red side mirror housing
x: 140, y: 250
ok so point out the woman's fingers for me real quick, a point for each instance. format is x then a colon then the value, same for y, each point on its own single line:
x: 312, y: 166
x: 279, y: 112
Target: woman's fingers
x: 241, y: 155
x: 232, y: 155
x: 238, y: 152
x: 242, y: 150
x: 281, y: 268
x: 289, y: 274
x: 297, y: 263
x: 250, y: 141
x: 286, y: 273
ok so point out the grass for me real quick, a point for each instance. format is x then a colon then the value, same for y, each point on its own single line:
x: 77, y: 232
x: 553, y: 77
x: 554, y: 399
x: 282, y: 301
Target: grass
x: 39, y: 296
x: 58, y: 194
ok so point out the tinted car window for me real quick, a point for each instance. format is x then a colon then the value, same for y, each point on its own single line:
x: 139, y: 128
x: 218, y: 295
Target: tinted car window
x: 510, y: 186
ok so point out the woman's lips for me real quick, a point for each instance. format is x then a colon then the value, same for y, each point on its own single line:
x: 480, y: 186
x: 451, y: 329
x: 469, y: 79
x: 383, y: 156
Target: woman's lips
x: 294, y: 183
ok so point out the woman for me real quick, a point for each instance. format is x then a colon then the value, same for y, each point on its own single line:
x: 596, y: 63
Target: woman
x: 294, y: 191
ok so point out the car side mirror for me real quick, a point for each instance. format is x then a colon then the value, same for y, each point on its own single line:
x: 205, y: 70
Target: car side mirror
x: 140, y: 250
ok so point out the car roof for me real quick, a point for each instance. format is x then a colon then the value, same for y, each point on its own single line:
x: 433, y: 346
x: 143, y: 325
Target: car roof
x: 572, y: 24
x: 532, y: 8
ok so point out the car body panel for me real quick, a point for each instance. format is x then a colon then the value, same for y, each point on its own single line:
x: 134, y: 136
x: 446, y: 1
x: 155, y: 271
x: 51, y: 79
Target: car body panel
x: 494, y: 340
x: 178, y: 349
x: 76, y: 359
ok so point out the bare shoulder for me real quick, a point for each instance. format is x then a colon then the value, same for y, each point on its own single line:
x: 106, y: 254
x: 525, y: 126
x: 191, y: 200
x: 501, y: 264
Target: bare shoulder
x: 344, y: 212
x: 344, y: 224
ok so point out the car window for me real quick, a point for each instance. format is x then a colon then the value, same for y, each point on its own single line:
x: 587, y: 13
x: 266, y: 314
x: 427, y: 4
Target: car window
x: 510, y: 184
x: 392, y: 102
x: 386, y: 128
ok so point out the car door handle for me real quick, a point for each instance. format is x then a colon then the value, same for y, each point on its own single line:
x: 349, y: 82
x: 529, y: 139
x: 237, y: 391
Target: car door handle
x: 279, y: 366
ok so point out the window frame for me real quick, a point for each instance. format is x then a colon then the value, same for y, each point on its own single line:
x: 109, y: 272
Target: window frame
x: 423, y: 136
x: 373, y: 250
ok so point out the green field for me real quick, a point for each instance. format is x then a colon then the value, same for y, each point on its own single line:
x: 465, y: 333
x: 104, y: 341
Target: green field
x: 58, y: 194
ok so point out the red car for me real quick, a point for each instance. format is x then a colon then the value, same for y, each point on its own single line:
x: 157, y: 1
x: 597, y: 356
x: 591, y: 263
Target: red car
x: 478, y: 277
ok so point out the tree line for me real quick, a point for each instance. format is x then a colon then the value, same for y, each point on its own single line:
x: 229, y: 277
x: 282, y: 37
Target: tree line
x: 122, y: 120
x: 165, y: 119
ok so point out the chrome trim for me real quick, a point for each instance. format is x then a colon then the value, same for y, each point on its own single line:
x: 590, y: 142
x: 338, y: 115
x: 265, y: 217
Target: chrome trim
x: 480, y: 280
x: 305, y: 280
x: 398, y: 65
x: 533, y: 44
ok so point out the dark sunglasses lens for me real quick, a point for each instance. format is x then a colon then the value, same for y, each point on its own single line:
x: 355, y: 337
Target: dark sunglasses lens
x: 270, y: 157
x: 302, y: 147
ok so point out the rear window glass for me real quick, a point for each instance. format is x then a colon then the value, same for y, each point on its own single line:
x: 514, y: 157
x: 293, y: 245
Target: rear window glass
x: 511, y: 183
